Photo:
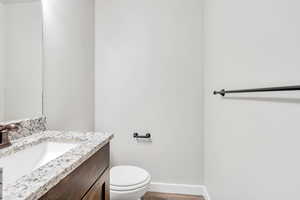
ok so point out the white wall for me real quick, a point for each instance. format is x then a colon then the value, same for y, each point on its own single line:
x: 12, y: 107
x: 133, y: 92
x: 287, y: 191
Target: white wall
x: 23, y: 53
x: 69, y: 60
x: 2, y: 61
x: 149, y: 78
x: 252, y: 140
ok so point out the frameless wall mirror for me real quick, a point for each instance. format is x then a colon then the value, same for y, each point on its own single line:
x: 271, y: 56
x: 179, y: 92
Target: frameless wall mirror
x: 21, y: 59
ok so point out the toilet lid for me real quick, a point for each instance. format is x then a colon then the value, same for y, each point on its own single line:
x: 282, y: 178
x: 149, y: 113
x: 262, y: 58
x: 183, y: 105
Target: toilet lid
x: 126, y: 176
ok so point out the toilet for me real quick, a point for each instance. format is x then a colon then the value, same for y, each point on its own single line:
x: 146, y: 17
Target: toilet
x: 128, y: 182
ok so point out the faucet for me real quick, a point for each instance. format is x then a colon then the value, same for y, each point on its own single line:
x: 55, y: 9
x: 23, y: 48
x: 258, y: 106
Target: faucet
x: 4, y: 131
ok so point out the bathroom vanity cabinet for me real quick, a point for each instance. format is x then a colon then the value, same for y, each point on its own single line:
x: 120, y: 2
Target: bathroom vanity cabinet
x: 90, y: 181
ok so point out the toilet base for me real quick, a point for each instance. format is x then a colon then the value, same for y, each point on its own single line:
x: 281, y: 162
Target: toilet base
x: 129, y: 195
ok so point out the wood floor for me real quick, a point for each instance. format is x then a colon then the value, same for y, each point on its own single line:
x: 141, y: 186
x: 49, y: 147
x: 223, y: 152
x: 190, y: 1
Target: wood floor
x: 163, y: 196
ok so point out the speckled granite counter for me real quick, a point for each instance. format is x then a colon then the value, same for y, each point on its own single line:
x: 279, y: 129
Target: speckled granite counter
x: 34, y: 185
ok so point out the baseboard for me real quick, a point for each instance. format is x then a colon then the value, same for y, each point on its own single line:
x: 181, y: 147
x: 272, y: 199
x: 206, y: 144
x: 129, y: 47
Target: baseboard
x: 179, y: 189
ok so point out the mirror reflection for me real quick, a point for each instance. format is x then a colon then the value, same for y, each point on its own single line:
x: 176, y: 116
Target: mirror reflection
x: 21, y: 58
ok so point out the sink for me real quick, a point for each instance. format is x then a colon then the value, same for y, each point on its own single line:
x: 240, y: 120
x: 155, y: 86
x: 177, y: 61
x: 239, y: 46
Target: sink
x: 25, y: 161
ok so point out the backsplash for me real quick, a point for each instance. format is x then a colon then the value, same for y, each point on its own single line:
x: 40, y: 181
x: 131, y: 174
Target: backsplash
x: 28, y: 127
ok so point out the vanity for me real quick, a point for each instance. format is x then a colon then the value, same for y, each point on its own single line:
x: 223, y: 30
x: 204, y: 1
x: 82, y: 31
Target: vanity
x: 57, y: 165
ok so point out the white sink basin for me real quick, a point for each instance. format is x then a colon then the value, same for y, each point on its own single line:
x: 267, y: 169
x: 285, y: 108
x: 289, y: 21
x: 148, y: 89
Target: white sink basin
x: 25, y: 161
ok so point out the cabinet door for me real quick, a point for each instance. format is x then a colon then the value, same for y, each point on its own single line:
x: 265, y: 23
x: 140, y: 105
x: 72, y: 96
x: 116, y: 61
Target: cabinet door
x: 100, y: 190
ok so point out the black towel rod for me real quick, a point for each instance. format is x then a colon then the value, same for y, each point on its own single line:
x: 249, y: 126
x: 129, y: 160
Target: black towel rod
x: 268, y: 89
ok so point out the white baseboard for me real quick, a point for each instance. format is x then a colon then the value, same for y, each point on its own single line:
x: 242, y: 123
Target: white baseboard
x: 179, y: 189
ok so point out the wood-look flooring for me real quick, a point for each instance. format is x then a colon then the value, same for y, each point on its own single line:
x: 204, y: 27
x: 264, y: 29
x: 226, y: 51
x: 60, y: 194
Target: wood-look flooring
x: 164, y: 196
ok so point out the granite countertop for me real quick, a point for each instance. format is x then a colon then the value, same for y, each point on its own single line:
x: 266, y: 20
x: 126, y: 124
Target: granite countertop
x: 34, y: 185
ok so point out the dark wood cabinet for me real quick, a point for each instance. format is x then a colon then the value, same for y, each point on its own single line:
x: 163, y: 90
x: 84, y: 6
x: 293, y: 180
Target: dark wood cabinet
x: 90, y: 181
x: 100, y: 190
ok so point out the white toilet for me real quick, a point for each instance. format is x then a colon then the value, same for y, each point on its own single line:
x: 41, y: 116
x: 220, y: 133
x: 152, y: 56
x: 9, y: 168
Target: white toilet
x: 128, y: 182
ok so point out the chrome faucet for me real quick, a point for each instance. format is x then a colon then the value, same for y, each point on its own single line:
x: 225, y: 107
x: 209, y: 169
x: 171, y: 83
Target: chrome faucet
x: 4, y: 131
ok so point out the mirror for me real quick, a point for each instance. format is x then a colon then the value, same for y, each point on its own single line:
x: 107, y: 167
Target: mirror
x: 21, y: 59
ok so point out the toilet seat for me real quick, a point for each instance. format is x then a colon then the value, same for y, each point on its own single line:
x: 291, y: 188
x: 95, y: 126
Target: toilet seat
x: 128, y: 178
